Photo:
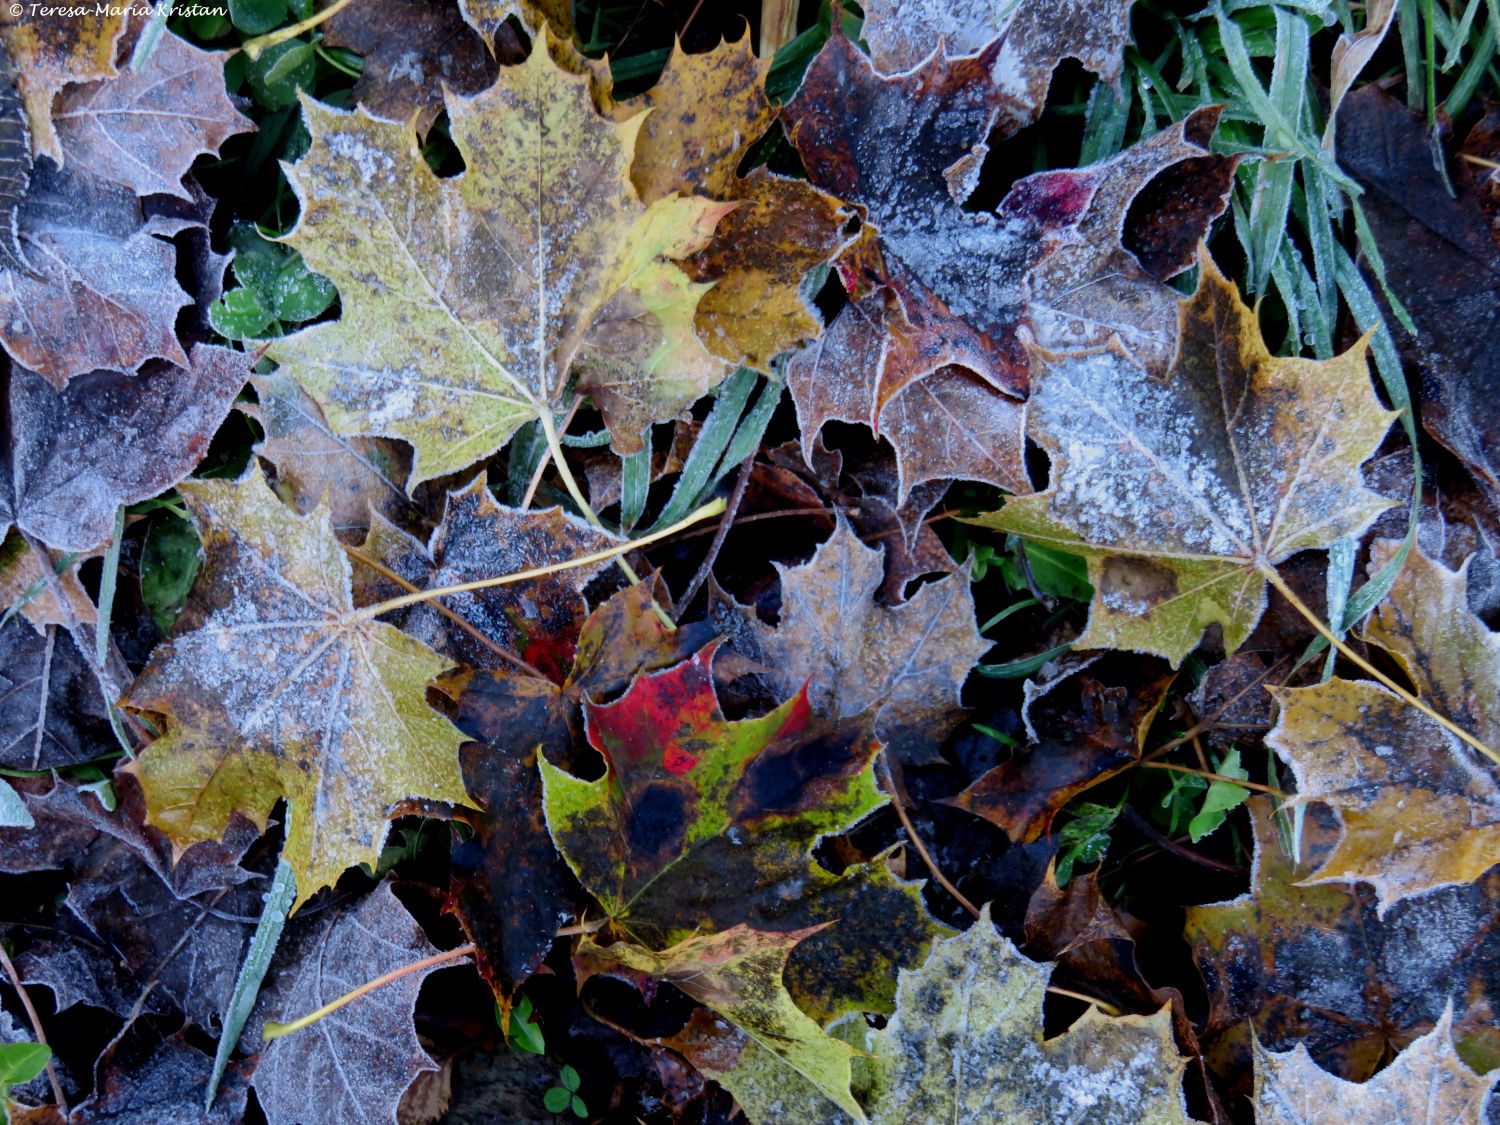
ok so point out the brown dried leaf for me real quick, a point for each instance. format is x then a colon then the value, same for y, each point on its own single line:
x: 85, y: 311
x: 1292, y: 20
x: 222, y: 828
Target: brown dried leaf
x: 358, y: 1061
x: 49, y: 52
x: 15, y: 164
x: 143, y: 129
x: 51, y: 711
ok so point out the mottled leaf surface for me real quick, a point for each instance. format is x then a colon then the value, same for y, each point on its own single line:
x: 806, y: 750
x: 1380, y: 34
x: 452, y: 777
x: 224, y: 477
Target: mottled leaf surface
x: 469, y: 302
x: 1181, y: 491
x: 276, y: 688
x: 51, y: 711
x: 50, y: 51
x: 1420, y: 808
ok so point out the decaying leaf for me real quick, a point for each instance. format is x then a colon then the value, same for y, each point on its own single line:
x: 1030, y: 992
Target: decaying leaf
x: 143, y: 128
x: 702, y: 118
x: 413, y: 51
x: 1317, y: 965
x: 1427, y: 1083
x: 354, y: 476
x: 468, y: 303
x: 106, y: 439
x: 702, y: 823
x: 49, y: 51
x: 276, y: 687
x: 15, y: 163
x: 101, y: 290
x: 487, y: 17
x: 354, y: 1064
x: 1182, y: 492
x: 966, y: 1045
x: 1036, y: 38
x: 782, y: 1066
x: 51, y: 711
x: 906, y: 663
x: 1420, y: 808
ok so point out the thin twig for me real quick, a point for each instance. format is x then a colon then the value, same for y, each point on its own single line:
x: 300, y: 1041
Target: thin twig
x: 254, y: 48
x: 706, y: 567
x: 1107, y: 1009
x: 457, y: 618
x: 369, y: 613
x: 916, y: 841
x: 1344, y: 650
x: 1166, y: 842
x: 1211, y: 776
x: 274, y: 1030
x: 36, y: 1026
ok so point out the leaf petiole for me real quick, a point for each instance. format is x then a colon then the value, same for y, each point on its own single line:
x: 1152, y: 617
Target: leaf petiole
x: 274, y: 1030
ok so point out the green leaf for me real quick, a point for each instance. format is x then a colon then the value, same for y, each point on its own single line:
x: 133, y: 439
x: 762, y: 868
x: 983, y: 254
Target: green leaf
x: 569, y: 1077
x: 1085, y: 838
x: 169, y: 563
x: 284, y: 285
x: 1058, y: 573
x: 1220, y: 798
x: 523, y: 1033
x: 239, y: 315
x: 256, y: 17
x: 21, y: 1062
x: 556, y: 1099
x: 275, y: 85
x: 579, y: 1109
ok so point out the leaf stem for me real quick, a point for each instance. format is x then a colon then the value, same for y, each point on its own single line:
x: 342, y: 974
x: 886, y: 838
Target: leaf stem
x: 36, y: 1026
x: 254, y: 48
x: 916, y: 841
x: 274, y: 1030
x: 1211, y: 776
x: 1344, y: 650
x: 713, y: 508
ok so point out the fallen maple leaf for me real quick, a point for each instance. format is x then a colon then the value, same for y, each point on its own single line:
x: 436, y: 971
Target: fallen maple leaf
x: 355, y: 1063
x: 1419, y: 808
x: 469, y: 303
x: 51, y: 711
x: 15, y: 163
x: 781, y: 1064
x: 275, y: 687
x: 1427, y: 1083
x: 702, y: 823
x: 49, y: 52
x: 143, y: 129
x: 966, y: 1044
x: 780, y: 228
x: 1035, y: 39
x: 1318, y: 965
x: 906, y: 663
x: 107, y: 438
x: 1184, y: 493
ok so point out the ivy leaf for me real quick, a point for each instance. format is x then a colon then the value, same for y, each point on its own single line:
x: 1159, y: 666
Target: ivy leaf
x: 49, y: 52
x: 536, y: 265
x: 277, y: 688
x: 106, y: 439
x: 782, y: 1064
x: 907, y: 663
x: 1182, y: 492
x: 779, y: 230
x: 966, y: 1044
x: 904, y: 33
x: 1427, y: 1082
x: 1419, y: 808
x: 362, y: 1058
x: 700, y: 823
x: 143, y: 129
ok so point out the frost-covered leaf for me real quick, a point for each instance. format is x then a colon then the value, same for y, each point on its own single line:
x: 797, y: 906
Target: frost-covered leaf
x: 413, y: 50
x: 783, y: 1065
x: 101, y: 290
x: 1427, y: 1084
x: 354, y: 1064
x: 469, y: 303
x: 106, y: 439
x: 965, y: 1045
x: 907, y: 663
x: 700, y: 823
x: 275, y: 687
x: 51, y: 711
x: 143, y: 129
x: 780, y: 227
x: 1182, y: 491
x: 1151, y: 207
x: 1420, y: 808
x: 1318, y: 965
x: 1037, y: 37
x: 15, y: 163
x: 49, y: 51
